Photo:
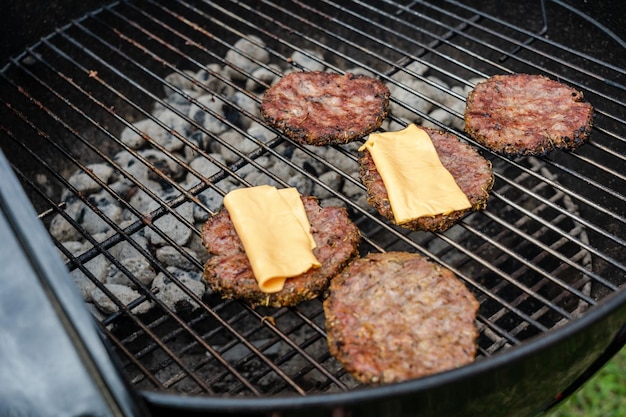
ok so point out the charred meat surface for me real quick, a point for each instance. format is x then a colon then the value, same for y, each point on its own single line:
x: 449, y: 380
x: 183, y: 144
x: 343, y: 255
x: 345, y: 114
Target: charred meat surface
x: 395, y: 316
x: 523, y: 114
x: 229, y: 273
x: 321, y: 108
x: 472, y: 173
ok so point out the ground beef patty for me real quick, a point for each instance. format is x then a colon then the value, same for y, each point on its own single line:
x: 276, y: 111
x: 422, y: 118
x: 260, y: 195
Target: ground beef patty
x: 229, y: 272
x: 525, y: 114
x: 321, y: 108
x: 472, y: 173
x: 395, y: 316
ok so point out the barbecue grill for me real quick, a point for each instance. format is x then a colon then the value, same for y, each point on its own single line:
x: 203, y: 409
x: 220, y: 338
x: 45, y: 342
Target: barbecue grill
x: 126, y: 123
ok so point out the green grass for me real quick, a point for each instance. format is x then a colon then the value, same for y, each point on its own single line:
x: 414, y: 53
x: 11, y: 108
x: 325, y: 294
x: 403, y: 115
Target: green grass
x: 602, y: 396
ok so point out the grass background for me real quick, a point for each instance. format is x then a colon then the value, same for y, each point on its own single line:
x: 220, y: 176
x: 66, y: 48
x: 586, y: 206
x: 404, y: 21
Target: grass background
x: 602, y: 396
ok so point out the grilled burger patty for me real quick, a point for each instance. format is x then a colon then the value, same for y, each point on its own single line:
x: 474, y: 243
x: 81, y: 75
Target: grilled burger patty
x: 472, y: 173
x: 321, y: 108
x: 395, y: 316
x: 525, y: 114
x: 229, y: 273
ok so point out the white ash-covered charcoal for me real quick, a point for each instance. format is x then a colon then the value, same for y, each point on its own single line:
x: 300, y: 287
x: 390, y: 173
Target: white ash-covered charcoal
x: 263, y: 77
x: 176, y: 80
x: 352, y: 189
x: 211, y: 79
x: 199, y: 141
x: 203, y: 167
x: 212, y: 199
x: 109, y: 209
x: 454, y: 103
x: 131, y: 165
x: 83, y: 181
x: 247, y: 108
x: 138, y: 266
x: 170, y: 256
x: 332, y: 202
x: 169, y: 167
x: 142, y: 202
x: 282, y: 170
x: 132, y: 136
x: 173, y: 122
x: 260, y: 132
x: 98, y: 267
x: 172, y: 227
x: 332, y: 180
x: 145, y: 203
x: 176, y: 101
x: 285, y: 172
x: 309, y: 60
x: 319, y: 151
x: 123, y: 293
x: 62, y: 229
x: 255, y: 178
x: 340, y: 160
x: 392, y: 125
x: 207, y: 111
x: 406, y: 104
x: 408, y: 100
x: 125, y: 249
x: 304, y: 160
x: 75, y: 247
x: 237, y: 141
x: 361, y: 71
x: 243, y: 56
x: 302, y: 183
x: 151, y: 130
x: 356, y: 193
x: 458, y: 106
x: 438, y: 91
x: 172, y: 295
x: 84, y: 285
x: 195, y: 244
x: 410, y: 72
x: 443, y: 116
x: 265, y: 162
x: 140, y: 174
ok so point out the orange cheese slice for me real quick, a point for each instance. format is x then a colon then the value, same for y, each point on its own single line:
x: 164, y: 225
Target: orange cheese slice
x: 417, y: 182
x: 275, y: 233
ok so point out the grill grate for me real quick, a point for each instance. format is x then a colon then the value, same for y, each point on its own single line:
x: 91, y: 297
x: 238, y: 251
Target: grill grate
x: 548, y: 247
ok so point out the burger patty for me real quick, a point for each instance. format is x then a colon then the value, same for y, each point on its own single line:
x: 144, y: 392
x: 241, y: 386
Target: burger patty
x: 321, y: 108
x: 525, y: 114
x: 472, y: 173
x: 229, y: 273
x: 395, y: 316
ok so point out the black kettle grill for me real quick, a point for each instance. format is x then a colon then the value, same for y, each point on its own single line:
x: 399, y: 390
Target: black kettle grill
x: 546, y: 259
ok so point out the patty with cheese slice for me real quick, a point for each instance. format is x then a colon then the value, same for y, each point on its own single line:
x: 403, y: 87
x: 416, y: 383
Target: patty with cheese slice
x: 471, y: 172
x: 229, y: 272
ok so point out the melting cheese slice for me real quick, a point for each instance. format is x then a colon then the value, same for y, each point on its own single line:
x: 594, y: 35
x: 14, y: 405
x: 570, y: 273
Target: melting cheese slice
x: 275, y: 232
x: 417, y: 182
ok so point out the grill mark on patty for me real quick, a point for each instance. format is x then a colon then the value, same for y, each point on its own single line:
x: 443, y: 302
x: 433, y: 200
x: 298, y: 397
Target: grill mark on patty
x: 472, y: 173
x: 322, y: 108
x: 524, y: 114
x: 395, y: 316
x: 229, y: 273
